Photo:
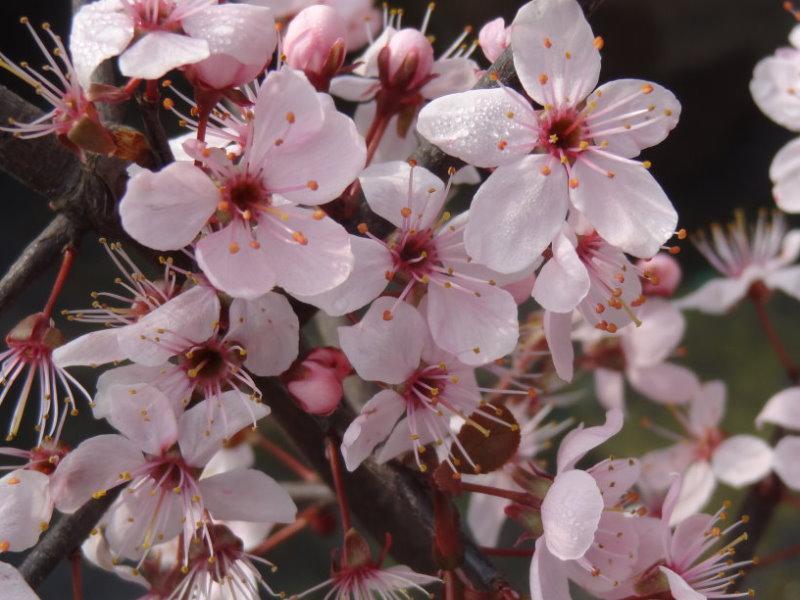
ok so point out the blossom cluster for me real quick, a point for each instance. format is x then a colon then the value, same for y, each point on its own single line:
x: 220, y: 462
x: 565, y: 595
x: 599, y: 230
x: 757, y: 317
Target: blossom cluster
x: 468, y: 328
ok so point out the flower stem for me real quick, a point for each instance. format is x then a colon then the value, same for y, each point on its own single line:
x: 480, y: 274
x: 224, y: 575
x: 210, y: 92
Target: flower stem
x: 332, y: 452
x: 298, y: 468
x: 277, y: 538
x: 77, y: 575
x: 758, y: 297
x: 518, y: 497
x: 375, y: 133
x: 67, y: 260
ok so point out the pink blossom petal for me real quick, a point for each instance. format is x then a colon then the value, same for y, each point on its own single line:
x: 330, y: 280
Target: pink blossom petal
x: 708, y: 407
x: 158, y: 52
x: 242, y: 31
x: 95, y: 348
x: 628, y: 208
x: 645, y: 120
x: 199, y: 440
x: 144, y: 415
x: 615, y: 477
x: 782, y: 409
x: 247, y: 495
x: 319, y: 263
x: 288, y: 109
x: 558, y: 332
x: 785, y: 461
x: 571, y: 511
x: 241, y: 456
x: 679, y: 588
x: 26, y: 508
x: 167, y: 209
x: 354, y: 88
x: 246, y: 272
x: 548, y: 575
x: 563, y: 281
x: 400, y: 441
x: 191, y: 315
x: 106, y: 397
x: 318, y: 168
x: 100, y: 30
x: 268, y: 329
x: 684, y: 539
x: 371, y: 427
x: 666, y: 383
x: 552, y: 37
x: 716, y: 296
x: 371, y: 261
x: 96, y: 465
x: 741, y: 460
x: 493, y: 38
x: 579, y: 441
x: 399, y: 140
x: 698, y: 485
x: 656, y: 338
x: 785, y: 174
x: 787, y: 280
x: 658, y: 465
x: 516, y: 213
x: 610, y: 388
x: 772, y: 88
x: 475, y: 126
x: 452, y: 75
x: 14, y: 585
x: 387, y: 190
x: 382, y: 350
x: 476, y: 329
x: 486, y: 514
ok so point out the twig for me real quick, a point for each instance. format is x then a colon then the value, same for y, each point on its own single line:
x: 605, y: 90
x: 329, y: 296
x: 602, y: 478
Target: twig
x: 65, y: 537
x: 154, y: 131
x: 40, y: 254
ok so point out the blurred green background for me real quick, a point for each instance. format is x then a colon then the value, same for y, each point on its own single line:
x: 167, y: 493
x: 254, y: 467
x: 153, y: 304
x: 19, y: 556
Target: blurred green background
x: 716, y: 160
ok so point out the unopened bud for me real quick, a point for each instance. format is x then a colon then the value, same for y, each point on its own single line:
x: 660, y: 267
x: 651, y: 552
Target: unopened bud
x: 410, y: 59
x: 663, y: 275
x: 315, y: 43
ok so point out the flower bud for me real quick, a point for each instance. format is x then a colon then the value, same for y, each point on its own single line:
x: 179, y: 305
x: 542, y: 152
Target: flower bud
x: 662, y: 275
x: 315, y: 44
x: 316, y: 381
x: 407, y: 60
x: 494, y: 38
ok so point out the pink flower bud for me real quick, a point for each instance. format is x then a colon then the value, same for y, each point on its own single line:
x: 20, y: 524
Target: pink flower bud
x: 410, y: 60
x: 315, y: 42
x: 494, y: 38
x: 662, y: 275
x: 316, y: 381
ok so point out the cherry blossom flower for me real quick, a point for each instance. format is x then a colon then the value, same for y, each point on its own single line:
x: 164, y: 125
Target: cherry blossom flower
x: 783, y: 410
x: 25, y: 499
x: 587, y: 537
x: 357, y: 576
x: 469, y: 315
x: 640, y: 356
x: 158, y: 458
x: 494, y: 38
x: 746, y: 256
x: 301, y: 151
x: 13, y: 585
x: 152, y: 37
x: 585, y: 145
x: 698, y: 562
x: 586, y: 273
x: 72, y: 118
x: 703, y: 455
x: 29, y: 359
x: 180, y: 349
x: 422, y: 382
x: 775, y: 82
